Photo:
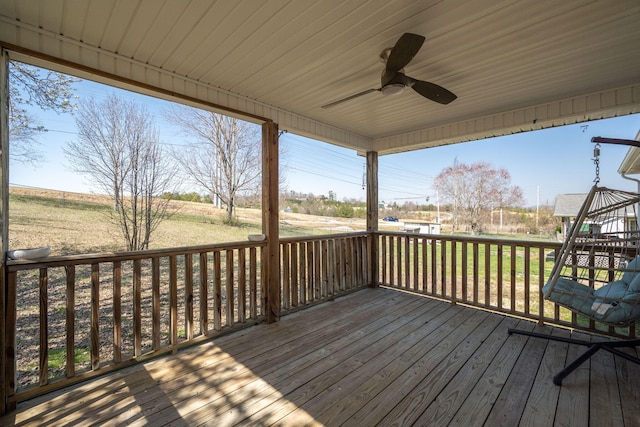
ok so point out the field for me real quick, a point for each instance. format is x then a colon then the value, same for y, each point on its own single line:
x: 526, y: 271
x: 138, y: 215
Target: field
x: 74, y: 223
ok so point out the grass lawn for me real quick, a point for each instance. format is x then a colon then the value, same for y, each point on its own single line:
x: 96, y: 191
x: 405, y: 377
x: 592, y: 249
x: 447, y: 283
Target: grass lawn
x: 77, y: 224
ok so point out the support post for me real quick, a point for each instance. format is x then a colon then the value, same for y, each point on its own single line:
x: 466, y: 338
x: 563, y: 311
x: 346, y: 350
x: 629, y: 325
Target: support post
x: 270, y: 222
x: 7, y: 380
x: 372, y: 216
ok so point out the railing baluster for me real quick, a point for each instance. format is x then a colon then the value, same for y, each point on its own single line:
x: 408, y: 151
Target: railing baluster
x: 513, y: 277
x: 95, y: 316
x: 465, y: 270
x: 487, y: 275
x: 44, y: 327
x: 338, y: 263
x: 425, y: 270
x: 332, y: 267
x: 229, y: 286
x: 407, y: 262
x: 155, y: 308
x: 310, y: 273
x: 393, y: 257
x: 117, y: 311
x: 454, y: 272
x: 217, y: 291
x: 188, y: 296
x: 443, y: 268
x: 348, y: 253
x: 416, y: 262
x: 362, y: 258
x: 527, y: 279
x: 434, y: 265
x: 295, y: 280
x: 541, y: 281
x: 253, y: 283
x: 304, y: 281
x: 286, y: 275
x: 204, y: 294
x: 325, y: 272
x: 476, y: 271
x: 499, y: 276
x: 70, y: 273
x: 317, y: 276
x: 242, y: 285
x: 400, y: 262
x: 385, y: 258
x: 137, y: 307
x: 173, y: 301
x: 362, y: 261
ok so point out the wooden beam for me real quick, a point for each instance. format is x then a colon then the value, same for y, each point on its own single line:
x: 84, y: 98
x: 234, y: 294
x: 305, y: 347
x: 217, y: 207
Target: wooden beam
x: 6, y: 384
x: 372, y: 215
x: 270, y: 222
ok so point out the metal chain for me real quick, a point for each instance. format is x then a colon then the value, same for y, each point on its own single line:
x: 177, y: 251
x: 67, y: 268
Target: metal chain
x: 596, y: 161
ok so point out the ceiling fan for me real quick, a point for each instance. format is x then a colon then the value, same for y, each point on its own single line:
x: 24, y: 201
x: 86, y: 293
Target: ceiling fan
x: 394, y: 81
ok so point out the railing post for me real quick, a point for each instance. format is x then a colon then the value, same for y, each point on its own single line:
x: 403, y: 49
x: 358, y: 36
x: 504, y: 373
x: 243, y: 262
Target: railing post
x: 372, y: 216
x: 270, y: 222
x: 7, y: 380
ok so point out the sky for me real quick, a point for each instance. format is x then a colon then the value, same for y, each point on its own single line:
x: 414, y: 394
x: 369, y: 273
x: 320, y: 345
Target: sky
x: 542, y: 163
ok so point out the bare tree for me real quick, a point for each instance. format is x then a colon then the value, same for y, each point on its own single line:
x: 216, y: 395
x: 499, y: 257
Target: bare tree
x: 118, y: 148
x: 32, y: 86
x: 476, y: 188
x: 226, y: 160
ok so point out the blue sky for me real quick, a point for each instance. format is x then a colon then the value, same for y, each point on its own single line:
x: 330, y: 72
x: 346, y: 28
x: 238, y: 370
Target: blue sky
x: 543, y: 163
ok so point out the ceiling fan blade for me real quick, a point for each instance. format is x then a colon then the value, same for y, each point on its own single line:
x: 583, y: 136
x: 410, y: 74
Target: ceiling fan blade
x: 433, y: 92
x: 349, y: 98
x: 404, y: 50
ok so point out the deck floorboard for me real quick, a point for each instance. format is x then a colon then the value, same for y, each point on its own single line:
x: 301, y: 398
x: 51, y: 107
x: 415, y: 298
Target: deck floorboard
x: 374, y: 357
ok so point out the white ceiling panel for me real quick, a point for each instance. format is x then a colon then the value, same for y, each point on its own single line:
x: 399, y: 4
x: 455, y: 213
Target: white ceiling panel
x: 514, y: 65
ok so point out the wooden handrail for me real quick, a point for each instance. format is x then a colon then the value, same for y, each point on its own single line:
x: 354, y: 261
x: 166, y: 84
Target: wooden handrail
x: 158, y: 301
x: 502, y: 275
x: 126, y: 307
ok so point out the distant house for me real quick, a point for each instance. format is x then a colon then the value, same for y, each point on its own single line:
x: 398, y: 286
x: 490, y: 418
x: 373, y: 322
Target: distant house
x: 567, y: 207
x: 422, y: 227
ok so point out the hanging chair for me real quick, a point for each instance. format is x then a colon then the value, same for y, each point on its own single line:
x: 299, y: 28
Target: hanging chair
x: 597, y: 271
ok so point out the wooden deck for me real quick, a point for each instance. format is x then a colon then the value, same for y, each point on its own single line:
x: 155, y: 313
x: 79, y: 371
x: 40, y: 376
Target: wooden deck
x: 374, y: 357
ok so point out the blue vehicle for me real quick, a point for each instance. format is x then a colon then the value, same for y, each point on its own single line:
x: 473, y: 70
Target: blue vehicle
x: 390, y: 219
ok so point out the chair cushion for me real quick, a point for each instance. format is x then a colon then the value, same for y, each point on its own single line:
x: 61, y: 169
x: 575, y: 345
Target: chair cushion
x: 616, y: 303
x: 613, y: 303
x: 615, y: 290
x: 571, y: 294
x: 634, y: 285
x: 631, y: 271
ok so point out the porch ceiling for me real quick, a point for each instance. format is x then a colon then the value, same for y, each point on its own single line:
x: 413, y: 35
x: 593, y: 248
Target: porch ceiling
x: 514, y: 65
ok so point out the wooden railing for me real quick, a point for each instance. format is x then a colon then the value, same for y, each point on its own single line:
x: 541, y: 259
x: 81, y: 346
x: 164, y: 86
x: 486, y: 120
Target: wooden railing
x: 504, y: 276
x: 79, y: 316
x: 75, y: 317
x: 316, y: 269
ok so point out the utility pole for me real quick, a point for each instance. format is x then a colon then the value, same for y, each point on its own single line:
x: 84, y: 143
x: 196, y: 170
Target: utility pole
x: 537, y: 205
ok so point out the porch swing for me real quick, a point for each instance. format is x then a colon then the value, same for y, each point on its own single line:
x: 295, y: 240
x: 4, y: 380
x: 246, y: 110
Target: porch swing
x: 597, y: 271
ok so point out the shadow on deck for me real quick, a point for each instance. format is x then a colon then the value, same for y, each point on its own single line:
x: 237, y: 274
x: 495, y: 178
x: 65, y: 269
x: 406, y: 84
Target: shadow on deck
x: 374, y: 357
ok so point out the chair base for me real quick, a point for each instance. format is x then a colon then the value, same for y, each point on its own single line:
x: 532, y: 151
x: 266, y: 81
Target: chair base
x: 592, y: 348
